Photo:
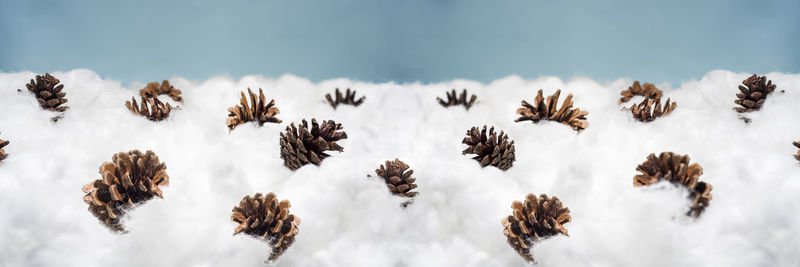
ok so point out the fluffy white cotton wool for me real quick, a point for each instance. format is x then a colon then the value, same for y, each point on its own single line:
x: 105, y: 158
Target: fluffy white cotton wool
x: 349, y: 219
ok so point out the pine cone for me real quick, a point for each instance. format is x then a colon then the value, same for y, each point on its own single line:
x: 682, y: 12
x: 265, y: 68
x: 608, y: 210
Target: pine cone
x: 3, y: 155
x: 490, y: 150
x: 648, y: 91
x: 398, y: 180
x: 796, y: 144
x: 48, y: 92
x: 129, y: 180
x: 752, y: 97
x: 535, y: 220
x: 677, y: 170
x: 548, y: 110
x: 461, y: 100
x: 700, y: 195
x: 348, y: 99
x: 267, y: 219
x: 645, y: 112
x: 300, y: 147
x: 156, y: 111
x: 258, y: 110
x: 153, y: 89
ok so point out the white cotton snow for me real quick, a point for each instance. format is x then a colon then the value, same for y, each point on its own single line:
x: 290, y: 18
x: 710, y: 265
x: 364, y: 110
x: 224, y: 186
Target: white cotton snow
x: 349, y: 219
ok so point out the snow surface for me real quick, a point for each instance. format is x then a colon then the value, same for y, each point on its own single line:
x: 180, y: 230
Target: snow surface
x: 351, y: 220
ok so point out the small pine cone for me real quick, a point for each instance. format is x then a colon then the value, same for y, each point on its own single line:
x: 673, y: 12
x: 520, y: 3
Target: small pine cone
x: 752, y: 97
x: 398, y: 180
x: 677, y: 170
x: 299, y: 146
x: 348, y: 98
x: 259, y: 110
x: 3, y: 155
x: 648, y: 91
x: 452, y: 100
x: 48, y: 92
x: 153, y: 89
x: 650, y: 109
x: 267, y: 219
x: 535, y: 220
x: 547, y: 109
x: 155, y: 111
x: 797, y: 145
x: 492, y: 150
x: 129, y: 180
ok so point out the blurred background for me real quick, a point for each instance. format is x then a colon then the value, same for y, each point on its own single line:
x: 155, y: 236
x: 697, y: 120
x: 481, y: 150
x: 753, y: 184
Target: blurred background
x: 401, y: 40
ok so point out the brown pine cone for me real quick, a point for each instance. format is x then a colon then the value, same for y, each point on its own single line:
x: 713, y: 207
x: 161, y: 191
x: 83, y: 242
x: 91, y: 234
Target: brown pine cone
x: 797, y: 145
x: 535, y: 220
x: 348, y: 99
x: 259, y: 110
x: 153, y: 89
x: 677, y: 170
x: 648, y: 91
x: 129, y: 180
x: 646, y: 112
x: 700, y: 195
x: 267, y: 219
x: 492, y: 150
x: 398, y: 180
x: 48, y: 92
x: 3, y: 155
x: 752, y: 97
x: 548, y: 110
x: 452, y: 100
x: 156, y: 111
x: 299, y: 146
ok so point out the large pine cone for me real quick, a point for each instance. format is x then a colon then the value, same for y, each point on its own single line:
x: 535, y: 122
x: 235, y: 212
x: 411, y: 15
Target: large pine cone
x: 492, y: 150
x: 650, y: 109
x: 452, y: 100
x: 677, y: 170
x: 259, y: 110
x: 3, y: 155
x: 153, y: 89
x: 267, y: 219
x: 752, y: 97
x: 648, y: 91
x: 48, y: 92
x: 535, y: 220
x: 129, y: 180
x: 796, y: 144
x: 398, y: 180
x: 299, y: 146
x: 548, y: 110
x: 349, y: 98
x: 155, y: 111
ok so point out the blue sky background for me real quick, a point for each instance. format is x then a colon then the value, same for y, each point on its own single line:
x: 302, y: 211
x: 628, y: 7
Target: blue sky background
x: 401, y: 40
